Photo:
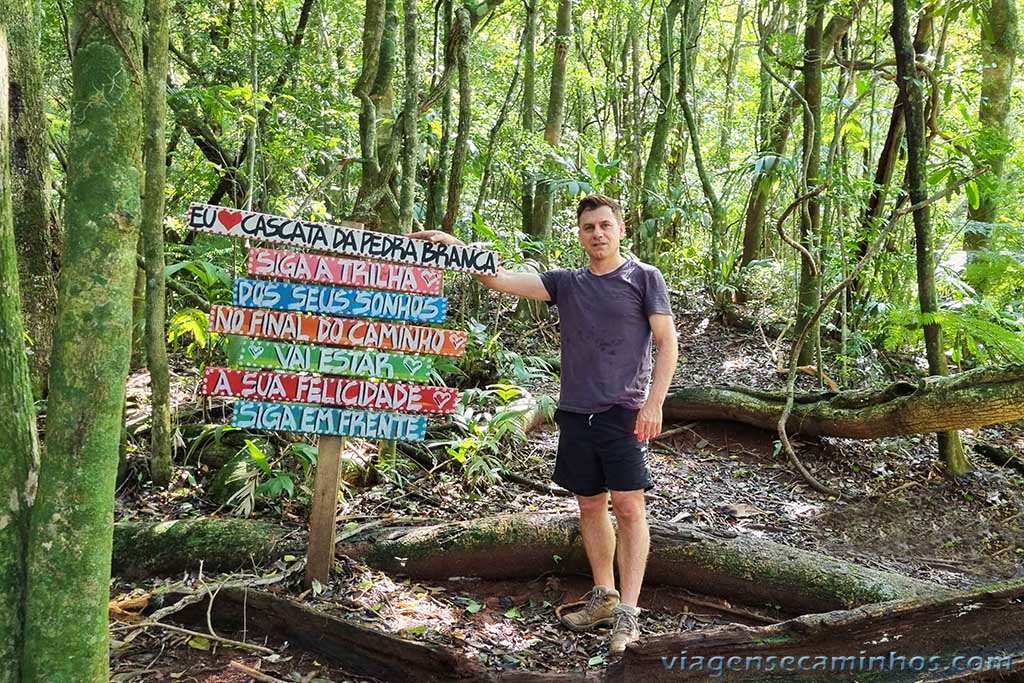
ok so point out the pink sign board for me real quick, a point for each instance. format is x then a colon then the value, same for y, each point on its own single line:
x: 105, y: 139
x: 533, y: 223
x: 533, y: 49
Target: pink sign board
x: 331, y: 270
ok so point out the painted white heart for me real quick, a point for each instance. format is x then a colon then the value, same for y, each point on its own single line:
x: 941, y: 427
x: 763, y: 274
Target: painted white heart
x: 444, y: 398
x: 459, y: 340
x: 431, y: 278
x: 413, y: 364
x: 255, y: 350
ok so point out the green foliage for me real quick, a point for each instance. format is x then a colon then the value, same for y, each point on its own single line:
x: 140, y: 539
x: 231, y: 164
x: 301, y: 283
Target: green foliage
x: 267, y: 484
x: 489, y: 421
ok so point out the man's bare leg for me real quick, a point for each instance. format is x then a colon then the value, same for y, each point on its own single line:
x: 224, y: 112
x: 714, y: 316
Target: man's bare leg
x: 598, y: 537
x: 634, y: 542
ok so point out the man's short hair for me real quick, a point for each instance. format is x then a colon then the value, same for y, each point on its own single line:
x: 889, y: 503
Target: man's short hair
x: 596, y: 201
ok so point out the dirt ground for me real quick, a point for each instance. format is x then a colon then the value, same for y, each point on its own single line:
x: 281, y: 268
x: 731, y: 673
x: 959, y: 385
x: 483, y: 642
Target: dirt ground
x: 904, y: 516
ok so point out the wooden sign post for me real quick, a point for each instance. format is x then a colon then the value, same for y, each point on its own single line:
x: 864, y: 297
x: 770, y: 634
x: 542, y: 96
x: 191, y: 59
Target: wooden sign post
x: 323, y: 345
x: 323, y: 510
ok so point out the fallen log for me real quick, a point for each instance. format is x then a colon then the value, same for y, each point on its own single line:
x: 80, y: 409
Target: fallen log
x: 735, y: 567
x: 144, y: 549
x: 971, y: 399
x: 902, y: 641
x: 361, y: 651
x: 893, y: 642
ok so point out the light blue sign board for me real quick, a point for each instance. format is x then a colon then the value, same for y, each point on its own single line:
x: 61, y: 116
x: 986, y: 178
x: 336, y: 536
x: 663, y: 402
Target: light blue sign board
x: 298, y: 417
x: 338, y: 301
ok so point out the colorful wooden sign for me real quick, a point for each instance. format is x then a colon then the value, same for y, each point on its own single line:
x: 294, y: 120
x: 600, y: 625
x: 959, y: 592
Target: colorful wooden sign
x: 319, y: 329
x: 340, y: 239
x: 362, y: 303
x: 271, y: 355
x: 296, y: 417
x: 342, y: 392
x: 331, y: 270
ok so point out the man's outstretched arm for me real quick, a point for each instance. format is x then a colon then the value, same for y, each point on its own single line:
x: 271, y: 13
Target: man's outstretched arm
x: 528, y: 285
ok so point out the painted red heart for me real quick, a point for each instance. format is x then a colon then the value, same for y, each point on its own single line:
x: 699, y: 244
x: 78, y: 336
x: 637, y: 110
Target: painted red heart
x: 229, y: 218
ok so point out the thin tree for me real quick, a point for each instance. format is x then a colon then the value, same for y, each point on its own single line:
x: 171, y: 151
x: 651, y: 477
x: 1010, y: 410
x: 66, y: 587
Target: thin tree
x: 809, y: 293
x: 998, y: 53
x: 36, y: 236
x: 71, y: 534
x: 410, y: 117
x: 543, y: 203
x: 17, y: 429
x: 912, y: 96
x: 650, y: 202
x: 154, y: 155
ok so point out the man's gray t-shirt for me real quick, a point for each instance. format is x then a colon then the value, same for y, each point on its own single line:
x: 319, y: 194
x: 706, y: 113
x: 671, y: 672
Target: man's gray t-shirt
x: 606, y: 335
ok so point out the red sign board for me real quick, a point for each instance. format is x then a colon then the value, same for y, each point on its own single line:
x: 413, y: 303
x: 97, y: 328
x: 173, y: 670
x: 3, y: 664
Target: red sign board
x: 340, y: 392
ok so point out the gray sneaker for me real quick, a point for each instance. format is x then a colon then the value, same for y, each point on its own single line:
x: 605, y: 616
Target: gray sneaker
x: 625, y: 630
x: 599, y: 610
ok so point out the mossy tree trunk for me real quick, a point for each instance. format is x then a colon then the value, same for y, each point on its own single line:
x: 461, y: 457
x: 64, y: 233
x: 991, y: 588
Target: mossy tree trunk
x: 693, y: 9
x: 543, y: 200
x: 809, y: 294
x: 651, y: 207
x: 529, y: 84
x: 410, y: 118
x: 912, y: 95
x: 998, y: 53
x: 17, y: 429
x: 461, y: 30
x: 154, y: 155
x: 66, y: 636
x: 29, y: 146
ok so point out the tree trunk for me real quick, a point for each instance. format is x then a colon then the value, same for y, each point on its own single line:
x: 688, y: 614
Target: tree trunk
x: 460, y: 150
x: 647, y: 236
x: 969, y: 400
x: 809, y: 295
x: 410, y: 118
x: 888, y: 643
x: 66, y: 636
x: 691, y: 18
x: 771, y: 156
x: 438, y: 186
x: 998, y: 52
x: 529, y: 86
x: 35, y: 234
x: 154, y: 157
x: 950, y: 447
x: 373, y: 32
x: 138, y: 357
x: 732, y: 58
x: 739, y: 568
x: 18, y: 428
x: 543, y: 202
x: 890, y: 155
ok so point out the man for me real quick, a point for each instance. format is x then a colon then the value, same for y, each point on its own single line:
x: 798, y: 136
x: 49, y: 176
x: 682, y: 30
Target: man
x: 609, y: 311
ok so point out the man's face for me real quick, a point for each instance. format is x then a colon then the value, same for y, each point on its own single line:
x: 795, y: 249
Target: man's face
x: 600, y: 232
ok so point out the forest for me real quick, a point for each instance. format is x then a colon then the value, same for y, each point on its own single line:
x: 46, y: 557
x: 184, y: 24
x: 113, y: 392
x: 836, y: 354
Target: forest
x: 831, y: 191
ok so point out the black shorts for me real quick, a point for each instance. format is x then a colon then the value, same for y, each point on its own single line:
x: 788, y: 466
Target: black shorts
x: 599, y: 452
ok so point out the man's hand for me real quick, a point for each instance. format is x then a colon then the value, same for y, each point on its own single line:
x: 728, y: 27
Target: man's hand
x: 437, y: 236
x: 648, y: 422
